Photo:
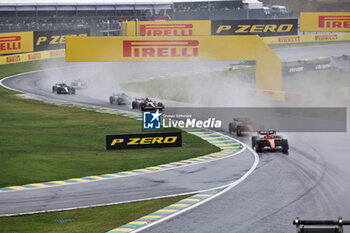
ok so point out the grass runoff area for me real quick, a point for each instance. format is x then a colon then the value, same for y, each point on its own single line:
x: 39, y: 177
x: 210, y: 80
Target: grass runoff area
x: 94, y: 220
x: 42, y: 142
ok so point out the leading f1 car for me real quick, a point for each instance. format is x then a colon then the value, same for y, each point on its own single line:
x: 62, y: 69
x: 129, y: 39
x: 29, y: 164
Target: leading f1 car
x: 269, y: 141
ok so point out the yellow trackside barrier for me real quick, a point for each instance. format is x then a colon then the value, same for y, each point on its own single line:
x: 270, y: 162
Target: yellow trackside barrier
x: 24, y: 57
x: 325, y: 21
x: 16, y: 42
x: 167, y: 28
x: 185, y: 48
x: 306, y: 38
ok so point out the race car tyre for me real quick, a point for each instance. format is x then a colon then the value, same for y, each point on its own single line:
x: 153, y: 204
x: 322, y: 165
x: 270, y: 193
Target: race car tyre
x: 161, y: 105
x: 254, y: 139
x: 134, y: 105
x: 142, y: 106
x: 120, y: 101
x: 232, y: 127
x: 259, y: 146
x: 239, y: 131
x: 72, y: 91
x: 111, y: 100
x: 285, y: 146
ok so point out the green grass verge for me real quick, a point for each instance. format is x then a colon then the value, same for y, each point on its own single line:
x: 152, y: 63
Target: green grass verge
x: 43, y: 142
x: 94, y: 220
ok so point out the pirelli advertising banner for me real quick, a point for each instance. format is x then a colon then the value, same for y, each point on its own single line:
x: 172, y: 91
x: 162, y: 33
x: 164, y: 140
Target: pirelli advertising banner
x: 16, y: 42
x: 325, y: 21
x: 184, y: 48
x: 25, y: 57
x: 307, y: 38
x: 50, y: 40
x: 261, y: 27
x: 167, y: 28
x: 149, y: 140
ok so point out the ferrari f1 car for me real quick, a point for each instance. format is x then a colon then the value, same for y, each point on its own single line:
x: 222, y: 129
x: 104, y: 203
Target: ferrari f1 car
x: 241, y: 126
x: 269, y: 141
x: 119, y: 99
x: 145, y: 104
x: 62, y: 88
x: 78, y: 84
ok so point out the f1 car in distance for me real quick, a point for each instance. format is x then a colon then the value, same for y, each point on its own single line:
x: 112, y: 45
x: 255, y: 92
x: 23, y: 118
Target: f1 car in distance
x: 62, y: 88
x: 269, y: 141
x: 79, y: 84
x: 145, y: 104
x: 120, y: 99
x: 241, y: 126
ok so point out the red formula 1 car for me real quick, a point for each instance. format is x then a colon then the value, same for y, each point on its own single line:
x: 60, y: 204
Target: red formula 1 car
x: 269, y: 141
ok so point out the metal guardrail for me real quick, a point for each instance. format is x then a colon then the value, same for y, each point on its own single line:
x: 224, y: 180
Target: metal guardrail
x: 337, y: 225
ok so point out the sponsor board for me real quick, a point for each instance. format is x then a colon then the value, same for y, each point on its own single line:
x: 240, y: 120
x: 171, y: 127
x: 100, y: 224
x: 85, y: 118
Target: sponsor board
x: 307, y: 38
x: 16, y: 42
x: 24, y: 57
x: 261, y: 27
x: 294, y: 69
x: 167, y: 28
x: 306, y: 65
x: 325, y: 21
x: 147, y: 140
x: 160, y: 48
x: 184, y: 48
x: 50, y: 40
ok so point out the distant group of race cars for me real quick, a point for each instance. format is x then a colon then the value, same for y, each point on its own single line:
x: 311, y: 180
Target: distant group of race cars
x: 143, y: 104
x: 118, y: 99
x: 266, y: 140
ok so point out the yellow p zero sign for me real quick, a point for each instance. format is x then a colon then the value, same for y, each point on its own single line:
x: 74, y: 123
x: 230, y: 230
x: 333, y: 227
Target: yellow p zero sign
x: 167, y: 28
x: 16, y: 42
x: 186, y: 48
x: 325, y: 21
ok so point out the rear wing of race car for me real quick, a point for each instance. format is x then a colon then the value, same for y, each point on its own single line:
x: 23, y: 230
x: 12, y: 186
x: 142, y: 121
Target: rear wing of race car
x: 242, y: 119
x: 267, y: 132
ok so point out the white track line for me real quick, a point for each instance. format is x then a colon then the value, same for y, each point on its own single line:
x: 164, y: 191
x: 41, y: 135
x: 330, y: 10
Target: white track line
x: 229, y: 187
